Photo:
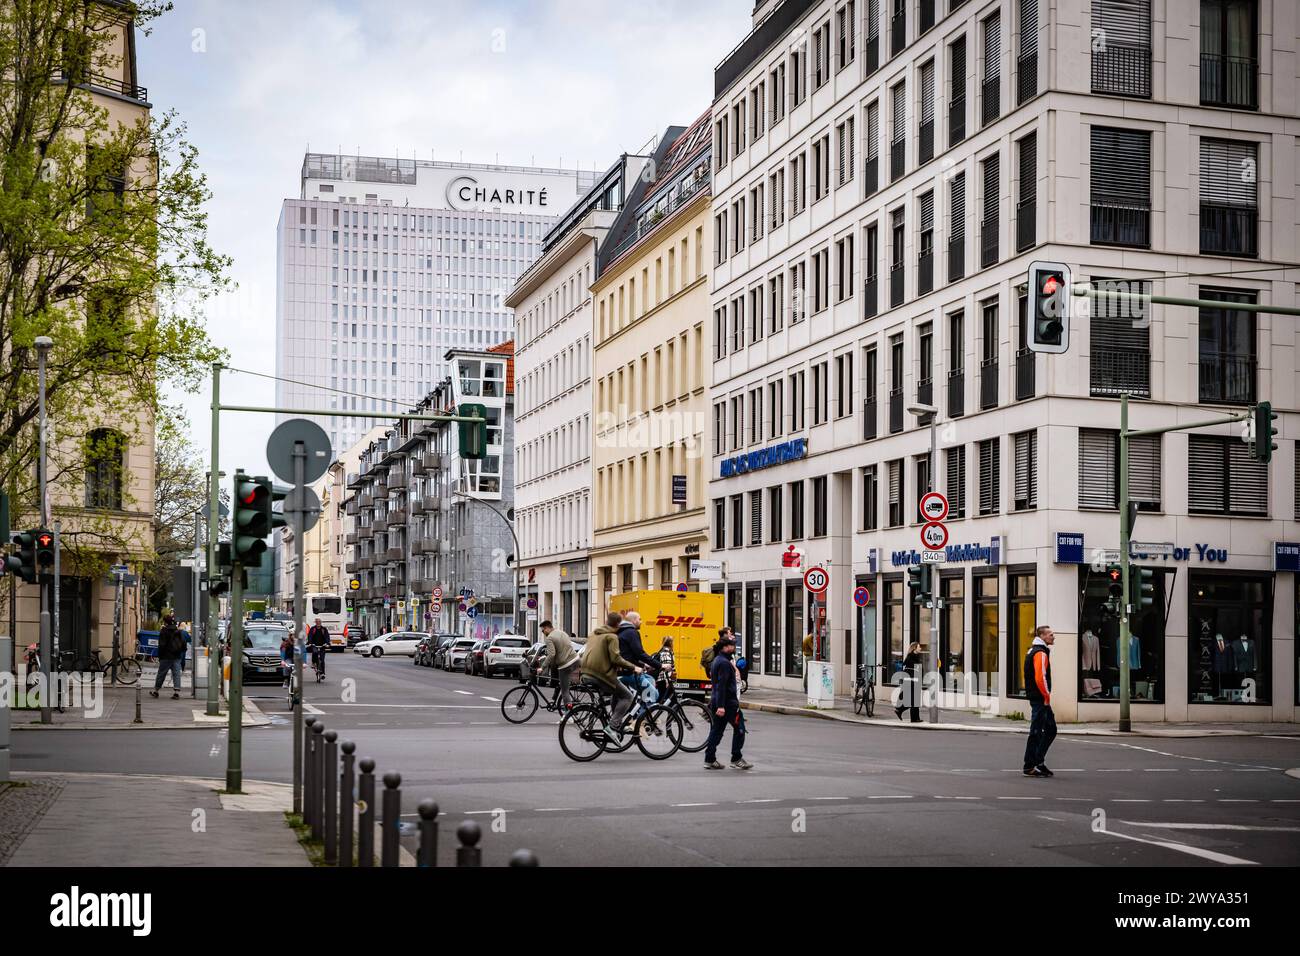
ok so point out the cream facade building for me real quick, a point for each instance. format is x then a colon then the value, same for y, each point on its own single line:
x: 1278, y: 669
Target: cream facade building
x: 649, y: 375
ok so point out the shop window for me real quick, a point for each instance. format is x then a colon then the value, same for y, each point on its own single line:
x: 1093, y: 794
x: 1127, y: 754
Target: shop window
x: 1229, y: 638
x: 892, y: 631
x: 984, y: 635
x: 1099, y: 660
x: 1022, y: 619
x: 952, y: 628
x: 772, y: 631
x: 794, y: 630
x: 866, y: 631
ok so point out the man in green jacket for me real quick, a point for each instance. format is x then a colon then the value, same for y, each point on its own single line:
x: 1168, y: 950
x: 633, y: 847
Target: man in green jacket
x: 560, y: 656
x: 602, y: 662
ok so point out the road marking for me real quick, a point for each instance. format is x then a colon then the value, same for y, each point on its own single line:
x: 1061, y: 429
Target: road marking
x: 762, y: 800
x: 215, y: 751
x: 554, y: 809
x: 310, y: 709
x: 1020, y: 798
x: 470, y: 813
x: 1210, y: 826
x: 1077, y: 799
x: 1183, y: 848
x: 1284, y: 801
x: 485, y: 697
x: 1235, y: 800
x: 891, y: 796
x: 1131, y: 800
x: 1181, y: 800
x: 828, y: 798
x: 371, y: 723
x: 1205, y: 770
x: 1160, y: 769
x: 423, y: 706
x: 692, y: 804
x: 1114, y: 769
x: 465, y: 692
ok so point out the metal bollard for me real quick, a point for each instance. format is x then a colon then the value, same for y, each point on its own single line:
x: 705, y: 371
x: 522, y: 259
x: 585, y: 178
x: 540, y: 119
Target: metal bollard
x: 318, y: 776
x: 468, y: 853
x: 428, y: 855
x: 524, y: 858
x: 331, y: 797
x: 308, y: 742
x: 347, y: 803
x: 389, y: 834
x: 366, y: 819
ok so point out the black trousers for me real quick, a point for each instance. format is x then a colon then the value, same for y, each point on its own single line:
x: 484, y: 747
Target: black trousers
x: 1042, y: 731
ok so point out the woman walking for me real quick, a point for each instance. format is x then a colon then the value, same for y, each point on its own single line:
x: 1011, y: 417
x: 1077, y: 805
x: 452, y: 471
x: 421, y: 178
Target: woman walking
x: 910, y: 698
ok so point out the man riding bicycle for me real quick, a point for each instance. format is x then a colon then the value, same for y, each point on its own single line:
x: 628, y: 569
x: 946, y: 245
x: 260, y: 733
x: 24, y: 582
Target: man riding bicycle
x: 602, y: 662
x: 318, y: 640
x: 561, y: 658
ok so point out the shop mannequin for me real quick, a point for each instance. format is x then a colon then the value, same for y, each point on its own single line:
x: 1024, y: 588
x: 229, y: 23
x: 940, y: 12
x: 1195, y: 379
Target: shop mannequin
x: 1089, y: 652
x: 1243, y: 656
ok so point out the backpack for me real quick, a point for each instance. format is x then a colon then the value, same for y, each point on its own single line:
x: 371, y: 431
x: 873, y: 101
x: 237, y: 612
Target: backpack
x: 706, y: 658
x: 173, y: 643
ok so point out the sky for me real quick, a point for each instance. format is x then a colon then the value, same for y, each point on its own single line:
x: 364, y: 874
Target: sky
x: 545, y: 82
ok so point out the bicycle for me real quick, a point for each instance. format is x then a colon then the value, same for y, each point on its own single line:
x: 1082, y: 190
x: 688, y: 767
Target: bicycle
x: 864, y: 691
x: 128, y: 668
x: 656, y: 730
x: 694, y: 714
x: 519, y: 704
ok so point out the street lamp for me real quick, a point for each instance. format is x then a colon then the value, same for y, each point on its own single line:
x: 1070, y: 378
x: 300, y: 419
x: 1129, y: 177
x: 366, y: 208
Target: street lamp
x: 505, y: 519
x: 932, y: 412
x: 43, y: 345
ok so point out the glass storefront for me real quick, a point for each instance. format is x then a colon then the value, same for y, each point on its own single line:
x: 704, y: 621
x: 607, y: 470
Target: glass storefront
x: 772, y: 632
x: 1022, y: 610
x: 1099, y: 660
x: 892, y: 605
x: 984, y: 652
x: 794, y: 630
x: 866, y: 629
x: 952, y: 626
x: 1230, y: 631
x: 752, y: 625
x: 920, y: 627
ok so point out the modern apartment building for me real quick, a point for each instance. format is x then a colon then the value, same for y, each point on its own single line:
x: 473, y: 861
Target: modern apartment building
x: 649, y: 373
x: 884, y: 172
x: 430, y: 525
x: 552, y: 305
x: 383, y: 265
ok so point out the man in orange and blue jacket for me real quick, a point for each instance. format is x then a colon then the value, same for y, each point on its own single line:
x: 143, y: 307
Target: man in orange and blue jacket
x: 1038, y: 686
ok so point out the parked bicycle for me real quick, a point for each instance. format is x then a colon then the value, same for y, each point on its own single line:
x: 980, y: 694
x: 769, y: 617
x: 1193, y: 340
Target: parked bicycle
x: 864, y: 690
x: 89, y: 665
x: 655, y: 729
x: 519, y: 704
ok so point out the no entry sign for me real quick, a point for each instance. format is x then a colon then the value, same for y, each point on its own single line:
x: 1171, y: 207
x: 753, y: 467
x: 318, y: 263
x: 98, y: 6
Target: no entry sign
x: 817, y: 580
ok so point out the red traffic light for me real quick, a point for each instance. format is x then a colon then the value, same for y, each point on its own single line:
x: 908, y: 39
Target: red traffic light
x: 1051, y: 285
x: 1114, y: 574
x: 45, y: 540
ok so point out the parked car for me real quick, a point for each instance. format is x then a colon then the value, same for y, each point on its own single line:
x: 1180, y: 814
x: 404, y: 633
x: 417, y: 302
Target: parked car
x: 262, y: 662
x: 438, y: 657
x: 474, y: 659
x: 454, y: 659
x: 398, y: 642
x: 504, y: 655
x: 356, y: 633
x: 424, y: 650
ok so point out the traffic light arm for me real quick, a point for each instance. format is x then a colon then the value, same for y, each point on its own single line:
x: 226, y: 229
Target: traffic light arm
x: 1081, y: 289
x: 1243, y: 417
x: 339, y: 413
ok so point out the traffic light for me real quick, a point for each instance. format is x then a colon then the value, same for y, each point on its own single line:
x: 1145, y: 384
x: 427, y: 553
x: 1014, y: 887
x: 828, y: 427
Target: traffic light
x: 23, y: 563
x: 1049, y: 307
x: 1146, y: 587
x: 1264, y: 431
x: 252, y: 518
x: 219, y: 583
x: 473, y: 436
x: 918, y: 581
x: 44, y: 548
x: 1115, y: 589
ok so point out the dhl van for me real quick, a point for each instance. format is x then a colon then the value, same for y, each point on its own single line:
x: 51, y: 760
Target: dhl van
x: 692, y: 618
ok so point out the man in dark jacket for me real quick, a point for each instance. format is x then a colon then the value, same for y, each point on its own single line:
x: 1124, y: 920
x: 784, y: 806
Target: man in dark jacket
x: 631, y: 649
x: 318, y: 641
x: 725, y: 706
x: 1038, y: 687
x: 171, y: 657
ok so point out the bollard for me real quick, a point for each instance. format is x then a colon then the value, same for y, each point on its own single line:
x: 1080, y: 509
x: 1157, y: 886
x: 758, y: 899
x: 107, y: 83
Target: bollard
x: 524, y: 858
x: 331, y: 797
x: 468, y: 853
x: 307, y: 764
x: 347, y: 803
x: 392, y: 813
x: 366, y: 819
x: 318, y: 777
x: 428, y: 855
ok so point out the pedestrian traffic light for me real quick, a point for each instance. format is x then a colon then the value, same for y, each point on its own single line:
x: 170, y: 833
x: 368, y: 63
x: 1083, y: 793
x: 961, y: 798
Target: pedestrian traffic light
x: 23, y: 562
x: 1115, y: 589
x: 219, y: 582
x: 44, y: 548
x: 473, y: 435
x: 1264, y: 431
x: 1049, y: 307
x: 1146, y: 587
x: 918, y: 581
x: 252, y: 518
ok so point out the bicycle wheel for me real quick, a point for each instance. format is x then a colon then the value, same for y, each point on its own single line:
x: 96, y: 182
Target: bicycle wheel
x: 582, y: 696
x: 128, y: 670
x: 658, y: 732
x: 870, y: 697
x: 581, y: 738
x: 519, y: 704
x: 696, y: 724
x: 858, y: 699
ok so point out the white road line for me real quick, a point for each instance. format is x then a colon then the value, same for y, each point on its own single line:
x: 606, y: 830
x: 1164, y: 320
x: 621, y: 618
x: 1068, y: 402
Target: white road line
x: 471, y: 813
x: 1160, y: 769
x: 762, y: 800
x: 1181, y: 800
x: 373, y: 724
x: 1020, y: 798
x: 1131, y: 800
x: 309, y: 709
x: 692, y: 804
x: 828, y: 798
x: 1077, y: 799
x: 465, y: 692
x: 1210, y: 826
x: 485, y: 697
x: 1114, y: 770
x: 554, y: 809
x: 1184, y: 848
x: 1235, y: 800
x: 1205, y: 770
x: 891, y: 796
x: 1284, y: 801
x: 424, y: 706
x: 215, y: 751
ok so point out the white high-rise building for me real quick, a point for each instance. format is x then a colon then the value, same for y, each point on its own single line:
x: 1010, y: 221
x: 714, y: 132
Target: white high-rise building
x: 382, y: 265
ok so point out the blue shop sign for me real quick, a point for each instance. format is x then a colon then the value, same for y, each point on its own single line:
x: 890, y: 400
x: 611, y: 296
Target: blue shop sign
x: 1070, y: 549
x: 955, y: 554
x: 765, y: 457
x: 1286, y: 556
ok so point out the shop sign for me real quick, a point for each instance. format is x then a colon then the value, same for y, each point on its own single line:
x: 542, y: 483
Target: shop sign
x: 955, y: 554
x: 765, y: 457
x: 1070, y: 549
x: 1286, y: 556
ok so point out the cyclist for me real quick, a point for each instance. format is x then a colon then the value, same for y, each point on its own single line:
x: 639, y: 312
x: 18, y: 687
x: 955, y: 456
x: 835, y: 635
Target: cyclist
x: 561, y: 657
x: 318, y: 639
x: 630, y: 646
x: 601, y: 662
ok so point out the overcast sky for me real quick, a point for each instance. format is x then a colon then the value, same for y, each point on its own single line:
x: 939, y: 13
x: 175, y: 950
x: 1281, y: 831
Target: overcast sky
x: 259, y: 83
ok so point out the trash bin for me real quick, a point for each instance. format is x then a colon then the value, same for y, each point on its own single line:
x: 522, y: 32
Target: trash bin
x: 147, y: 643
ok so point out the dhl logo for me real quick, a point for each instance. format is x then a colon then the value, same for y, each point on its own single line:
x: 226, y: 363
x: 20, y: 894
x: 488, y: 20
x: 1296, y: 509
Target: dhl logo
x: 668, y: 620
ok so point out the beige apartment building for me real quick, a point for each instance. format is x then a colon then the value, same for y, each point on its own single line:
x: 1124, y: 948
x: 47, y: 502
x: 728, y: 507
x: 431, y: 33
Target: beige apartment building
x: 648, y: 374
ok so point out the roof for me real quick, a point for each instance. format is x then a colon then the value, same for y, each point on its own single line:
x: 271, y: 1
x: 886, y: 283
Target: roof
x: 507, y: 348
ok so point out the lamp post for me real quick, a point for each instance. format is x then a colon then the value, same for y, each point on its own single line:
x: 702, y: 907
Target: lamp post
x: 514, y: 600
x: 43, y: 345
x: 921, y: 411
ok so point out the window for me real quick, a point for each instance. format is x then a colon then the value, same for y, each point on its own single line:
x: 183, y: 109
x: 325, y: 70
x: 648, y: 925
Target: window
x: 844, y: 267
x: 1026, y: 485
x: 1027, y: 62
x: 737, y: 521
x: 721, y: 143
x: 843, y: 384
x: 775, y: 303
x: 719, y: 428
x: 719, y: 333
x: 774, y: 513
x: 898, y: 28
x: 821, y: 153
x: 105, y: 456
x: 1229, y: 198
x: 870, y: 409
x: 797, y: 399
x: 821, y: 261
x: 777, y: 78
x: 776, y: 412
x: 798, y: 184
x: 898, y: 139
x: 1121, y: 187
x: 737, y: 323
x: 955, y: 487
x: 756, y: 214
x: 821, y: 55
x: 1122, y: 63
x: 1121, y: 341
x: 897, y: 288
x: 873, y: 149
x: 755, y: 415
x: 989, y: 355
x: 821, y: 393
x: 796, y: 510
x: 737, y: 418
x: 846, y: 36
x: 870, y: 498
x: 1023, y: 608
x: 1228, y: 361
x: 757, y: 110
x: 845, y: 137
x: 984, y: 634
x: 896, y: 513
x: 721, y: 237
x: 925, y: 144
x: 819, y: 506
x: 957, y: 227
x: 1230, y: 53
x: 798, y: 74
x: 991, y: 87
x: 798, y: 293
x: 991, y: 223
x: 776, y: 196
x: 871, y: 284
x: 1223, y: 477
x: 871, y: 29
x: 921, y: 472
x: 990, y: 470
x: 719, y: 524
x: 892, y: 626
x: 956, y: 364
x: 1099, y: 469
x: 925, y: 245
x: 1230, y: 638
x: 756, y: 517
x: 957, y: 92
x: 1027, y: 204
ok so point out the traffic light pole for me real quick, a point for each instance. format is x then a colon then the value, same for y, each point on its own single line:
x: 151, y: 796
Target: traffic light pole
x: 299, y: 617
x: 235, y: 699
x: 214, y: 527
x: 934, y: 593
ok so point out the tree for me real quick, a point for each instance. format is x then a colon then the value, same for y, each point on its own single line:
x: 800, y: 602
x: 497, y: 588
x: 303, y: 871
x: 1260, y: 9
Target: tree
x: 103, y: 245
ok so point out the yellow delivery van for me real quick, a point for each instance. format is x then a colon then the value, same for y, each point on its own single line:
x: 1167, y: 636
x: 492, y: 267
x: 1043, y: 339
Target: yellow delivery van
x: 691, y: 617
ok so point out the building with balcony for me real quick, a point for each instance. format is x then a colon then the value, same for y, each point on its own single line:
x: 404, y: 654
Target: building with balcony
x: 648, y: 373
x: 1142, y: 145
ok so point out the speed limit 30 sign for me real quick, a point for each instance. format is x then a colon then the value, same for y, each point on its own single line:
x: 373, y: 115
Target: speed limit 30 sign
x: 817, y: 580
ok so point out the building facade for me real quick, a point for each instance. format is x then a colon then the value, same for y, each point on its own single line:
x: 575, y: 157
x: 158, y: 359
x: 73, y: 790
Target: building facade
x: 649, y: 375
x: 552, y: 306
x: 883, y: 175
x: 383, y: 265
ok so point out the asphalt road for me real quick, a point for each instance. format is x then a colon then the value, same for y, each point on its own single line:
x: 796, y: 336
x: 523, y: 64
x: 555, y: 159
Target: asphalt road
x: 821, y: 792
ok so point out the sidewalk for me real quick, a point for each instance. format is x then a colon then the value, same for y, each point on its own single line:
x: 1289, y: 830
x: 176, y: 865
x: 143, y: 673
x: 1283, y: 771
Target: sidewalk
x: 113, y: 708
x: 78, y: 820
x: 792, y: 702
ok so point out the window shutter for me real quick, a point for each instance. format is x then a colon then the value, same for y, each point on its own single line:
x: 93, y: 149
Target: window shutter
x: 1098, y: 468
x: 958, y: 226
x: 956, y: 486
x: 1228, y: 172
x: 842, y: 149
x: 992, y: 47
x: 1028, y: 167
x: 756, y: 517
x: 900, y: 112
x: 1028, y: 27
x: 1121, y: 165
x: 1026, y: 470
x: 1144, y: 470
x: 895, y: 476
x: 873, y: 19
x: 989, y: 468
x: 927, y: 93
x: 1205, y: 477
x: 1248, y: 480
x: 873, y: 131
x: 927, y: 211
x: 852, y: 134
x: 959, y: 69
x: 1123, y: 22
x: 991, y: 185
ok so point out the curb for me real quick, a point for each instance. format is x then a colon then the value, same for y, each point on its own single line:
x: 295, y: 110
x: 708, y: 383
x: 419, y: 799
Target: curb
x: 1062, y: 730
x: 253, y: 717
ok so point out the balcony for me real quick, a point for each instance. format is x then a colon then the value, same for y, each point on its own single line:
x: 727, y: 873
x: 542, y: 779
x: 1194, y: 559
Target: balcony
x: 895, y: 410
x: 395, y: 554
x: 924, y: 396
x: 432, y: 461
x: 925, y: 148
x: 871, y: 297
x: 1231, y: 81
x: 365, y: 500
x: 1026, y: 78
x: 956, y: 392
x: 1229, y: 230
x: 1115, y: 371
x: 870, y: 419
x: 416, y: 506
x: 956, y: 120
x: 111, y: 84
x: 897, y: 33
x: 1026, y: 224
x: 350, y: 567
x: 350, y: 538
x: 988, y: 383
x: 351, y: 508
x: 925, y: 16
x: 989, y: 242
x: 354, y: 481
x: 1227, y: 378
x: 873, y: 175
x: 1123, y: 69
x: 956, y: 258
x: 1025, y: 384
x: 873, y: 54
x: 925, y: 273
x: 990, y: 100
x: 379, y: 525
x: 365, y: 563
x: 381, y: 489
x: 1121, y: 224
x: 896, y: 285
x: 397, y: 516
x: 418, y: 545
x: 397, y: 479
x: 897, y: 159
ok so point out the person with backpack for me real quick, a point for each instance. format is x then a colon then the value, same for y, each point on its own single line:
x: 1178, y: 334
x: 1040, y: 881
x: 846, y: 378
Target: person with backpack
x: 318, y: 640
x: 724, y: 707
x: 172, y: 644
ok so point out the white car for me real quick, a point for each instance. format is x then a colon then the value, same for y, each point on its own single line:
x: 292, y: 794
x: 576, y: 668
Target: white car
x: 504, y: 655
x: 398, y: 642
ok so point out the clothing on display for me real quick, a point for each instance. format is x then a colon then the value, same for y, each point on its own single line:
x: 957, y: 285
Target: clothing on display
x: 1243, y: 655
x: 1090, y: 652
x: 1221, y: 653
x: 1134, y: 653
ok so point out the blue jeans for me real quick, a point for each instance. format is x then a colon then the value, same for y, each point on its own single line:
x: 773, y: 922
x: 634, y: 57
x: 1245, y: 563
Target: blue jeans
x: 1042, y: 731
x: 719, y: 725
x: 166, y: 667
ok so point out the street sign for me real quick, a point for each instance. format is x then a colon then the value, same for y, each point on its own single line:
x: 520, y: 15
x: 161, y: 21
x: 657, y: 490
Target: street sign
x: 471, y: 613
x: 401, y: 605
x: 934, y: 535
x: 682, y: 587
x: 279, y: 449
x: 531, y: 603
x: 1161, y: 549
x: 817, y: 580
x: 119, y: 569
x: 932, y: 557
x: 706, y: 570
x: 354, y: 584
x: 861, y: 596
x: 437, y: 592
x: 435, y: 607
x: 934, y: 506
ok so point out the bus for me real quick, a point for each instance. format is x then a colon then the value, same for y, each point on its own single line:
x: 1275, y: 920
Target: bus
x: 329, y: 608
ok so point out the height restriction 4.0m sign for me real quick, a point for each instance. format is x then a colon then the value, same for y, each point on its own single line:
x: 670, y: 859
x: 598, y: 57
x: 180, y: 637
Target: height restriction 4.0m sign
x: 817, y: 580
x: 934, y: 535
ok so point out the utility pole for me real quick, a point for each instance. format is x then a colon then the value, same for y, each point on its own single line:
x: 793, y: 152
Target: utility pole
x: 235, y: 700
x: 214, y: 525
x: 932, y: 411
x: 43, y: 345
x: 1125, y: 535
